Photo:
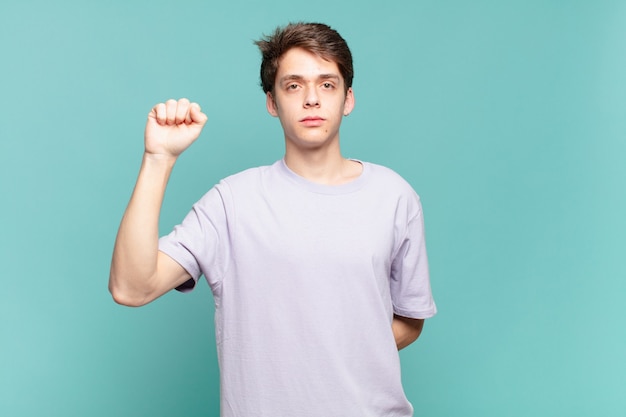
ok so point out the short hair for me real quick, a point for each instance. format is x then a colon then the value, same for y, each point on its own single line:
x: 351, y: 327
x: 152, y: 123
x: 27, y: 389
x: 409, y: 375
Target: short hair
x: 316, y: 38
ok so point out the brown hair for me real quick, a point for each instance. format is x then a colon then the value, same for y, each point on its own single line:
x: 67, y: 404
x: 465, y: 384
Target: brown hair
x: 317, y: 38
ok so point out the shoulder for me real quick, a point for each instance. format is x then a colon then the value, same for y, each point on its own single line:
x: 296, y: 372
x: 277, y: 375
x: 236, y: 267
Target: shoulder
x: 387, y: 185
x: 383, y: 171
x: 221, y: 196
x: 387, y: 178
x: 248, y: 178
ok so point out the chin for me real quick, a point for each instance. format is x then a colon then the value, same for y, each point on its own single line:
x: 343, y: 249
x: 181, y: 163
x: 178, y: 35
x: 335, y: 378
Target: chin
x: 311, y: 143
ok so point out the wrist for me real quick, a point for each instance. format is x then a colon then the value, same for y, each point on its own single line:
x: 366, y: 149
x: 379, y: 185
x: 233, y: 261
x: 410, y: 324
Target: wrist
x: 158, y: 159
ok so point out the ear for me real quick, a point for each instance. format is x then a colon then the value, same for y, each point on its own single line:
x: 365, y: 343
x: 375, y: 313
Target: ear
x: 348, y: 104
x: 270, y: 103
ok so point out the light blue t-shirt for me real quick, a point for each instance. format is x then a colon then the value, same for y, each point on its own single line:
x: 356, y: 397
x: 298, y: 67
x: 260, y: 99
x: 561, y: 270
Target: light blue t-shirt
x: 306, y: 279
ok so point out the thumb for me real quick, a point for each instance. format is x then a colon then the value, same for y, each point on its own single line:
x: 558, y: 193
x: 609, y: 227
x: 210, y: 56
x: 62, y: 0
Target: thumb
x: 195, y: 112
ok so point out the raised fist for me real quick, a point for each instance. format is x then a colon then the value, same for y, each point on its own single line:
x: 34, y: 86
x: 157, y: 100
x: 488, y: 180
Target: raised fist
x: 172, y: 127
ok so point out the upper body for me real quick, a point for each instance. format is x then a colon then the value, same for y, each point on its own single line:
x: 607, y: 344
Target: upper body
x: 306, y: 279
x: 309, y: 90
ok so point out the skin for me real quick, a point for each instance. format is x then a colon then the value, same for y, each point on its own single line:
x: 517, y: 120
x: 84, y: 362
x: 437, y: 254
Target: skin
x: 406, y: 330
x: 309, y: 99
x: 139, y: 272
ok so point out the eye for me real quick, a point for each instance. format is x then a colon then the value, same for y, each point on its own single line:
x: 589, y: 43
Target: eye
x: 292, y: 86
x: 328, y: 86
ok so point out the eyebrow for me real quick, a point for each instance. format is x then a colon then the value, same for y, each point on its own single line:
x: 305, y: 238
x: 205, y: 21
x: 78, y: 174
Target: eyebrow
x: 296, y: 77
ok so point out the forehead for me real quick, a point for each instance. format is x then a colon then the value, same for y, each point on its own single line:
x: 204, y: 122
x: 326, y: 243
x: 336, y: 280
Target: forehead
x: 300, y: 62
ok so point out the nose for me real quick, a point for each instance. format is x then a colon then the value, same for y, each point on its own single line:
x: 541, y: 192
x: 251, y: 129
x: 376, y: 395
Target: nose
x: 311, y: 98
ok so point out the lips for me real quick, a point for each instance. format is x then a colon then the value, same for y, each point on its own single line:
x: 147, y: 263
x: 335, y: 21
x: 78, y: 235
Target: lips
x: 312, y: 121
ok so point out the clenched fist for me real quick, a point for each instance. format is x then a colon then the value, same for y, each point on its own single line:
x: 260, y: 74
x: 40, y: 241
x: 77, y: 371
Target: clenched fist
x: 172, y: 127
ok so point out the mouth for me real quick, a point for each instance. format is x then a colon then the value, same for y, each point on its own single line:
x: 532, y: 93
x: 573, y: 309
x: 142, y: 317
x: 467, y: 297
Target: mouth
x: 312, y: 121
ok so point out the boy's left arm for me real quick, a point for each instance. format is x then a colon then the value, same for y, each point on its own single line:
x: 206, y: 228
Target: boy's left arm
x: 406, y: 330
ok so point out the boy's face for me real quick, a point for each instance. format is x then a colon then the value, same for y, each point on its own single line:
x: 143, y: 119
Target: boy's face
x: 310, y: 100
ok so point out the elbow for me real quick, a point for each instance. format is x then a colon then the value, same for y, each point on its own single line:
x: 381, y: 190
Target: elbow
x: 406, y: 330
x: 125, y: 297
x: 124, y: 300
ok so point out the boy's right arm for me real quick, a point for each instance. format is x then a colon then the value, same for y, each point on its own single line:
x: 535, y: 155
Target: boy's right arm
x: 139, y: 272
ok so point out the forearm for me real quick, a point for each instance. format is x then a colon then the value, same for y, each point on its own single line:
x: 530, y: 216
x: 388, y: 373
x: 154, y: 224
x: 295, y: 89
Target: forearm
x: 134, y: 262
x: 406, y: 330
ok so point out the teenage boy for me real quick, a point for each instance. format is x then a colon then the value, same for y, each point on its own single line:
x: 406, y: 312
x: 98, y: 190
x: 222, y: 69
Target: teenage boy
x: 317, y: 263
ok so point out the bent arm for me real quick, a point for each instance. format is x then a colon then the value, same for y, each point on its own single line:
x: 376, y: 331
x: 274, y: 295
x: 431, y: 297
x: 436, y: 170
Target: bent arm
x: 139, y: 272
x: 406, y: 330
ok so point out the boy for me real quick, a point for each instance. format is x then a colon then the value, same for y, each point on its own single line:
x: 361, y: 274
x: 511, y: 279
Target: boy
x: 317, y: 263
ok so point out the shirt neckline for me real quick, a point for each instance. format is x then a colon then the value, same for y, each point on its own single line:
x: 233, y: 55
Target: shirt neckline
x: 317, y: 188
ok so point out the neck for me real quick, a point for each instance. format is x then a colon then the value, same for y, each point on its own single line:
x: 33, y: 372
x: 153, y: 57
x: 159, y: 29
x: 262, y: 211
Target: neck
x: 322, y: 166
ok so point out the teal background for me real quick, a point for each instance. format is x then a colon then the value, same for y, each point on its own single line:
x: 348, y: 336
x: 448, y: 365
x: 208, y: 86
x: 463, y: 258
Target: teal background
x: 508, y: 118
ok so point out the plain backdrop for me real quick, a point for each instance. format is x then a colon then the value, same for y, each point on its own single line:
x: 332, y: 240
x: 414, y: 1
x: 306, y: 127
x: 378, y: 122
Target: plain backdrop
x: 507, y: 117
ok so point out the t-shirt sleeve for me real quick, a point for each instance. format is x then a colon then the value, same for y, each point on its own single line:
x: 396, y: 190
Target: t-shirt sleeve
x: 200, y: 244
x: 410, y: 279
